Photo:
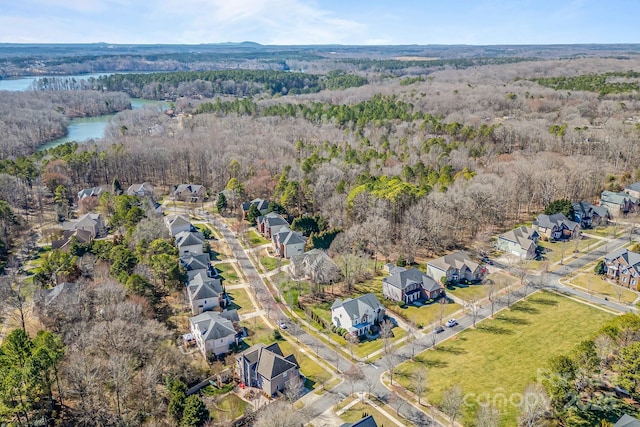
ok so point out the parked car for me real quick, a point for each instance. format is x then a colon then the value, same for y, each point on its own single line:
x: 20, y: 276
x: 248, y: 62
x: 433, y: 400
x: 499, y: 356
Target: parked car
x: 451, y: 323
x: 438, y: 329
x: 486, y: 260
x: 282, y: 324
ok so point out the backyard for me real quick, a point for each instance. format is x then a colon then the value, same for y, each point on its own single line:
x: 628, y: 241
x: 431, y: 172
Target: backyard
x: 501, y: 356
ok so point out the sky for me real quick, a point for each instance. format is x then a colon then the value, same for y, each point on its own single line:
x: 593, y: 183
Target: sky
x: 291, y: 22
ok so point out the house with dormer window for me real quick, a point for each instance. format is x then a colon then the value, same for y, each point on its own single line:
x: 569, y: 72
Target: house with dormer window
x: 623, y: 266
x: 357, y: 315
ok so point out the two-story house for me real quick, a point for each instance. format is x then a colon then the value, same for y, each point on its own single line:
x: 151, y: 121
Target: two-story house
x: 521, y: 241
x: 408, y: 285
x: 177, y: 223
x: 198, y: 263
x: 555, y: 227
x: 262, y: 205
x: 214, y: 332
x: 270, y: 224
x: 588, y: 215
x: 189, y: 242
x: 619, y: 204
x: 624, y: 267
x: 205, y: 293
x: 287, y: 243
x: 455, y: 267
x: 357, y: 315
x: 141, y: 190
x: 266, y: 367
x: 91, y: 223
x: 189, y: 192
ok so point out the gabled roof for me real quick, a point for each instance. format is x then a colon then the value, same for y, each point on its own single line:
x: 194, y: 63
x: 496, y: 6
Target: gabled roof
x: 195, y: 262
x: 358, y: 306
x: 213, y: 325
x: 203, y: 278
x: 632, y: 258
x: 588, y: 209
x: 272, y: 219
x: 261, y: 204
x: 401, y: 277
x: 555, y: 220
x: 627, y: 421
x: 290, y: 237
x: 190, y: 188
x: 90, y: 192
x: 616, y: 198
x: 63, y: 292
x: 367, y: 421
x: 270, y: 360
x: 204, y: 289
x: 633, y: 187
x: 136, y: 189
x: 457, y: 260
x: 189, y: 238
x: 176, y: 220
x: 523, y: 236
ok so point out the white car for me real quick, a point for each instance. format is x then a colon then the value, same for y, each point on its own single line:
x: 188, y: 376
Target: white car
x: 282, y: 325
x: 451, y: 323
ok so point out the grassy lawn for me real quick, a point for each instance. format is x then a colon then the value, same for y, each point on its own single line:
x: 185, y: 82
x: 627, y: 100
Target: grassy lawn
x: 256, y: 239
x: 240, y: 301
x: 468, y: 292
x: 603, y: 288
x: 315, y: 373
x: 227, y: 408
x: 556, y: 251
x: 502, y: 278
x: 502, y: 356
x: 365, y: 348
x: 427, y: 314
x: 227, y: 270
x: 356, y: 412
x: 271, y: 263
x: 607, y: 231
x: 258, y: 331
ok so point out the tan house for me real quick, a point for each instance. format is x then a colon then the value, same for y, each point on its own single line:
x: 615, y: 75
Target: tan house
x: 555, y: 227
x: 623, y: 266
x: 267, y: 368
x: 521, y: 241
x: 141, y: 190
x: 619, y: 203
x: 91, y: 223
x: 189, y: 192
x: 455, y: 267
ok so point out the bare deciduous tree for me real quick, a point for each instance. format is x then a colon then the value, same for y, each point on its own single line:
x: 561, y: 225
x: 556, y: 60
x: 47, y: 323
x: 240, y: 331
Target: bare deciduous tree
x: 354, y: 375
x: 452, y: 401
x: 488, y: 415
x: 534, y: 407
x: 419, y: 380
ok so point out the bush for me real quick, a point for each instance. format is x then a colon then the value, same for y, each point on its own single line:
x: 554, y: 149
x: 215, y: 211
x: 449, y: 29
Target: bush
x: 401, y: 304
x: 277, y: 335
x: 600, y: 268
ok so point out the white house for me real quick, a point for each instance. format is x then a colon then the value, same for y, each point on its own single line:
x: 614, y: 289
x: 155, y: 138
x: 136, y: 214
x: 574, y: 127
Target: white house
x: 288, y: 243
x: 205, y: 293
x: 214, y: 332
x: 197, y: 263
x: 177, y: 223
x: 141, y: 190
x: 357, y: 315
x: 189, y: 242
x: 521, y: 241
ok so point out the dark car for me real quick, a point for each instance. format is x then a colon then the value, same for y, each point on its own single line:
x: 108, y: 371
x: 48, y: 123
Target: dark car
x: 438, y: 329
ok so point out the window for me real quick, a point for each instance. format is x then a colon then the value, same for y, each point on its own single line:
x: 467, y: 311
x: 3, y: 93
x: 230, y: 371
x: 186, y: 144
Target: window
x: 285, y: 374
x: 624, y: 280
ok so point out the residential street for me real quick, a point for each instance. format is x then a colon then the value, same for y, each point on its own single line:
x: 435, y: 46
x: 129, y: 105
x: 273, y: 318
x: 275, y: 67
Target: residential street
x: 317, y: 406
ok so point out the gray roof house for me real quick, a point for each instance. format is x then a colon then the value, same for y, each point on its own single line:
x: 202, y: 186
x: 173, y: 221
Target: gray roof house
x: 189, y: 242
x: 214, y: 332
x: 270, y: 224
x: 408, y: 285
x: 177, y: 223
x: 357, y: 315
x: 366, y: 421
x: 189, y: 192
x: 205, y: 293
x: 521, y: 241
x: 197, y: 263
x: 267, y: 368
x: 633, y: 190
x: 555, y: 226
x: 316, y: 266
x: 624, y: 267
x: 91, y: 222
x: 91, y: 192
x: 588, y: 214
x: 455, y: 267
x: 627, y: 421
x: 64, y: 293
x: 141, y: 190
x: 262, y: 205
x: 619, y: 203
x: 287, y: 243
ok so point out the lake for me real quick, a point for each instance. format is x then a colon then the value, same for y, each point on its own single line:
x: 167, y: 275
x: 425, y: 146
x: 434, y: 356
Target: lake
x: 84, y: 128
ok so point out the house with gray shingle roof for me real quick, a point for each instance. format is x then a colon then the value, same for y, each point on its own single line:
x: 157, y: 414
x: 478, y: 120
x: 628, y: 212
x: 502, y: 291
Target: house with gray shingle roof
x: 619, y: 203
x: 287, y: 243
x: 177, y: 223
x: 205, y: 293
x: 91, y: 192
x: 316, y: 266
x: 141, y: 190
x: 366, y: 421
x: 627, y: 421
x: 197, y: 263
x: 555, y: 227
x: 214, y: 332
x: 587, y: 214
x: 624, y: 267
x: 270, y: 224
x: 262, y: 205
x: 189, y: 242
x: 408, y: 285
x: 189, y: 192
x: 521, y: 241
x: 357, y: 315
x: 267, y: 368
x: 90, y: 222
x: 633, y: 190
x: 455, y: 267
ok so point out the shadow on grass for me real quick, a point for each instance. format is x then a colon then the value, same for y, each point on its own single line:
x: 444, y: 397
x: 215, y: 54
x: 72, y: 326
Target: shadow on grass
x: 543, y: 301
x: 524, y: 308
x: 450, y: 349
x: 492, y: 329
x: 233, y: 305
x: 514, y: 320
x: 309, y: 384
x: 430, y: 363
